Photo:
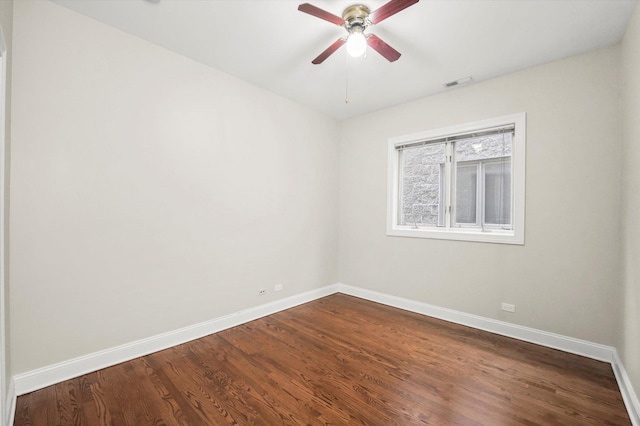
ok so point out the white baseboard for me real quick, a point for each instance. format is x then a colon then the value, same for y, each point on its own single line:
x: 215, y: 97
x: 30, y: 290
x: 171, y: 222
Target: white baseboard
x: 52, y: 374
x: 10, y: 404
x: 46, y: 376
x: 626, y: 389
x: 543, y: 338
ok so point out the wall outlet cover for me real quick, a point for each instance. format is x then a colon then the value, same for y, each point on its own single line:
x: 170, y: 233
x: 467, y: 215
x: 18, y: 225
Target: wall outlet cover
x: 508, y: 307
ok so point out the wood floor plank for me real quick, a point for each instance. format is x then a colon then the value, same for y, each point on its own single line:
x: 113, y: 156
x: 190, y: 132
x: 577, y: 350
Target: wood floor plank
x: 95, y: 405
x: 345, y: 366
x: 289, y: 394
x: 339, y: 360
x: 385, y: 356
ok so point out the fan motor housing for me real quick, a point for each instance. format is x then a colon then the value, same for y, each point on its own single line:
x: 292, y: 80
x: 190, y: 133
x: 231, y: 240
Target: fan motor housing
x: 356, y: 16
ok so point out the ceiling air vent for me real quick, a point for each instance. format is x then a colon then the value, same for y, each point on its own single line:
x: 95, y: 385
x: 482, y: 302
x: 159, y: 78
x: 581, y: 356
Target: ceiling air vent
x: 458, y: 82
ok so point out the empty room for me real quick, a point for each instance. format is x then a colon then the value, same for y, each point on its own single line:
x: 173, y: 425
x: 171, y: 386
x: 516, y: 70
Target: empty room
x: 264, y: 212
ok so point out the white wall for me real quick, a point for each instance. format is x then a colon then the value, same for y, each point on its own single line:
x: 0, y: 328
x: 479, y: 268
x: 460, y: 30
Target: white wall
x: 6, y: 23
x: 565, y: 279
x: 630, y: 347
x: 150, y: 192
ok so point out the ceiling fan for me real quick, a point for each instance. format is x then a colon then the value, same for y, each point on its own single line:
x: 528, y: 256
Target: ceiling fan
x: 356, y: 19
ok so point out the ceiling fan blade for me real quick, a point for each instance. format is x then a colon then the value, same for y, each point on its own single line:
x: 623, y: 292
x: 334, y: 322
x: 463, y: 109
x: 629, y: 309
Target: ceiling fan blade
x: 319, y: 13
x: 329, y: 51
x: 382, y: 48
x: 390, y: 9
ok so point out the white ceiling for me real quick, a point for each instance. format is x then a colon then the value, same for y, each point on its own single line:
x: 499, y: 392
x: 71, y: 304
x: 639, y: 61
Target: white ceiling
x: 270, y: 44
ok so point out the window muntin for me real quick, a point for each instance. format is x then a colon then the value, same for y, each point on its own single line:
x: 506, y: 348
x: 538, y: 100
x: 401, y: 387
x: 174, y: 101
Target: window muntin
x: 465, y: 182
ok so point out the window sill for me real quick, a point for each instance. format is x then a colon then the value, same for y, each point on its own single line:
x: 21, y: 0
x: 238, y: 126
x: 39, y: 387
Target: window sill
x: 493, y: 236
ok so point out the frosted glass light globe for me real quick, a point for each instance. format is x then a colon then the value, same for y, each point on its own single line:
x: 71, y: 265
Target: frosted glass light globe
x: 356, y: 44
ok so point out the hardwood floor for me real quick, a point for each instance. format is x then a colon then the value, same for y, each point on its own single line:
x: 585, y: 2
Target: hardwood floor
x: 339, y: 360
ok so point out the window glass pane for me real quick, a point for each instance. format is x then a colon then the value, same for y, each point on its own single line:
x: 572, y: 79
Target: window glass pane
x: 497, y: 188
x: 492, y: 154
x: 466, y: 197
x: 484, y: 148
x: 421, y: 185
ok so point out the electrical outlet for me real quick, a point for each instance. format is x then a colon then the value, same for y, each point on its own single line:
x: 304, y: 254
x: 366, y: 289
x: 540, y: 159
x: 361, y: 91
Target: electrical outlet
x: 508, y: 307
x: 262, y: 292
x: 278, y: 287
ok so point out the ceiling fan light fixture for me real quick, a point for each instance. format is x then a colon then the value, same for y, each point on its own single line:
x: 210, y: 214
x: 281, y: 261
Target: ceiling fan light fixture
x: 356, y: 43
x: 356, y: 19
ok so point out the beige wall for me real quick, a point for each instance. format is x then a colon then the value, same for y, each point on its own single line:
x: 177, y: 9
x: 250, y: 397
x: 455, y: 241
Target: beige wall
x: 630, y: 347
x: 6, y: 23
x: 150, y: 192
x: 565, y: 279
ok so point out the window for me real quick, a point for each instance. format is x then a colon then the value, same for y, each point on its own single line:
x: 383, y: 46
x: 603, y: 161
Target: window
x: 463, y: 183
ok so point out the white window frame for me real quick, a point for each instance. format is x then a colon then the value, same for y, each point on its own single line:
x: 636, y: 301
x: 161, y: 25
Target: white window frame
x: 449, y: 231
